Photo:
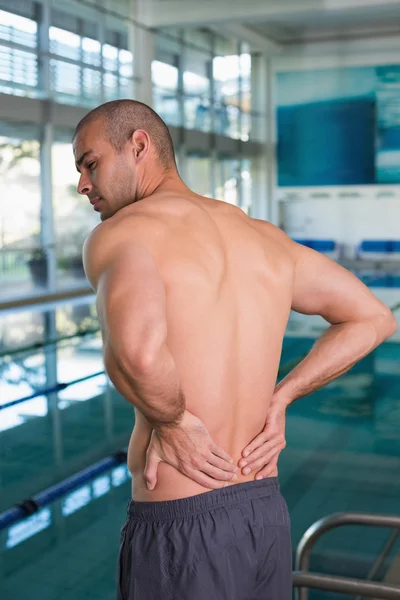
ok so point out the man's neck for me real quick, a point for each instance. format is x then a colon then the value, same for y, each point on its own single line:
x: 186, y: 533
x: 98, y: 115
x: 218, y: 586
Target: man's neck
x: 170, y: 183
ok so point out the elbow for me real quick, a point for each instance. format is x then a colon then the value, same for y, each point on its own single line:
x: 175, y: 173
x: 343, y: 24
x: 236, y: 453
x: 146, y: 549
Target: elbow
x: 387, y: 326
x: 142, y: 363
x: 392, y: 324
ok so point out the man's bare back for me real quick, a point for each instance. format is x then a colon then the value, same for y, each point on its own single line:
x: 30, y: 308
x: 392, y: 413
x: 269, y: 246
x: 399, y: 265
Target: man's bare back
x: 229, y: 288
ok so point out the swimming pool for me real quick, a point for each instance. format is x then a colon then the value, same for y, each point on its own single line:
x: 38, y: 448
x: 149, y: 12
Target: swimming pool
x: 343, y: 454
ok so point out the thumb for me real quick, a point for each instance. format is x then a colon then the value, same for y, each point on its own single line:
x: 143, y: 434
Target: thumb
x: 151, y: 467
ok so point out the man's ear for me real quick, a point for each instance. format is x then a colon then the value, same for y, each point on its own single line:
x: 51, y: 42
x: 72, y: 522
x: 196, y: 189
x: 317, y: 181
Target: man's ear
x: 140, y: 141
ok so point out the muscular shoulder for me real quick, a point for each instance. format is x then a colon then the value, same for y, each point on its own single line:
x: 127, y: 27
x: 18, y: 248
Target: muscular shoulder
x: 277, y: 238
x: 116, y: 236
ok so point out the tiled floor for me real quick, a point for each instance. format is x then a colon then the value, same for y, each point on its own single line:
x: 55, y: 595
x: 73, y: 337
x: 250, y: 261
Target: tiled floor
x: 343, y: 454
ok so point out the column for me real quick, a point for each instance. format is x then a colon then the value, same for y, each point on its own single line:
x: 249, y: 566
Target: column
x: 180, y: 149
x: 271, y: 138
x: 263, y: 166
x: 141, y: 44
x: 47, y: 234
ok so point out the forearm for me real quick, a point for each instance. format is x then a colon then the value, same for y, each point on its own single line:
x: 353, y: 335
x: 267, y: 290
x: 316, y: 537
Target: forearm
x: 155, y: 390
x: 339, y: 348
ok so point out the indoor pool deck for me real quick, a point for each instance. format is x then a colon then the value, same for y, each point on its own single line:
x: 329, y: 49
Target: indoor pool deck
x: 343, y: 454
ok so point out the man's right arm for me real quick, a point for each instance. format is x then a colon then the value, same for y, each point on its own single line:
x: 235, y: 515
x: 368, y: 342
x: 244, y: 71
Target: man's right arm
x: 359, y: 322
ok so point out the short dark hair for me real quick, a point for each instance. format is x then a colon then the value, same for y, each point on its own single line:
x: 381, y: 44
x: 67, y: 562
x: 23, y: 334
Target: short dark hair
x: 123, y: 117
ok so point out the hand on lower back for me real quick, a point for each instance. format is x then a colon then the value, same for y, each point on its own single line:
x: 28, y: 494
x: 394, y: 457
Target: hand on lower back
x: 189, y: 448
x: 262, y: 454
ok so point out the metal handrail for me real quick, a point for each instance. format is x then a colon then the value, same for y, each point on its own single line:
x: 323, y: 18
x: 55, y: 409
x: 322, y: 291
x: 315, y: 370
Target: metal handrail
x: 325, y: 524
x: 346, y: 585
x: 392, y: 539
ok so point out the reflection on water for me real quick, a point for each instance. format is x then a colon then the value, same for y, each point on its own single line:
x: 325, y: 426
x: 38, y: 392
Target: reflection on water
x: 71, y: 503
x: 47, y: 359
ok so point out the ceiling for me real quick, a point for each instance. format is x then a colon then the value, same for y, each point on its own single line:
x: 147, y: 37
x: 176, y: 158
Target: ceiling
x: 282, y: 22
x: 323, y: 25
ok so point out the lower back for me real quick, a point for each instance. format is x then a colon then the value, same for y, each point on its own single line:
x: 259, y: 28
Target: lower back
x: 171, y: 484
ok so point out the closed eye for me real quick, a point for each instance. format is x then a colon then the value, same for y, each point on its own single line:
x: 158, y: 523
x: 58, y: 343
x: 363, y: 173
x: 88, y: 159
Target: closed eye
x: 91, y: 166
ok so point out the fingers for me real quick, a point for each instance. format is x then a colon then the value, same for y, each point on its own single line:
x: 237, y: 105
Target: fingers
x: 205, y: 481
x: 204, y: 466
x: 263, y: 461
x: 256, y: 443
x: 221, y: 453
x: 218, y: 473
x: 269, y: 469
x: 262, y: 449
x: 151, y: 468
x: 221, y: 463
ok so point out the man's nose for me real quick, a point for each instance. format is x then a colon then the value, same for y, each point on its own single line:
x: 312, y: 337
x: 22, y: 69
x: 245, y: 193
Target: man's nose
x: 84, y: 186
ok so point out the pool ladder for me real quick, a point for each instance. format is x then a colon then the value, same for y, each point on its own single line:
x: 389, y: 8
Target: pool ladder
x: 363, y: 588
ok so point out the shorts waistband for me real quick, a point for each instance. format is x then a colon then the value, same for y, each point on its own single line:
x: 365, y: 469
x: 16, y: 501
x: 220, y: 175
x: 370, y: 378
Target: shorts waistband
x: 185, y: 507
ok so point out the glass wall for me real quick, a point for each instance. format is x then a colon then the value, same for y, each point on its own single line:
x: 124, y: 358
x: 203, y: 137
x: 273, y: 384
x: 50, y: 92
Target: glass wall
x: 73, y: 55
x: 199, y: 174
x: 246, y: 197
x: 77, y: 68
x: 18, y: 53
x: 197, y: 89
x: 233, y: 181
x: 165, y: 77
x: 249, y: 117
x: 227, y: 178
x: 215, y: 88
x: 79, y: 56
x: 227, y: 87
x: 74, y: 217
x: 20, y: 207
x: 82, y: 70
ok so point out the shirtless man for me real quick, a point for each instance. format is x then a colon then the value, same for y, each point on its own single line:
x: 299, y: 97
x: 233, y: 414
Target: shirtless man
x: 193, y: 299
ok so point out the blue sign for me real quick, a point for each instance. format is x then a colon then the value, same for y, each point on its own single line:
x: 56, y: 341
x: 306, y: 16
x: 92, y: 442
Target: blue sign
x: 339, y: 126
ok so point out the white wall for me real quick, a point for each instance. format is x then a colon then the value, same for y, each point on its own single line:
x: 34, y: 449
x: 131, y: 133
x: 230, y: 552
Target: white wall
x: 346, y: 217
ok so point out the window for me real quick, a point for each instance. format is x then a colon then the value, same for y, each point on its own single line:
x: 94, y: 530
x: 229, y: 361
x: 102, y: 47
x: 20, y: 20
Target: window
x: 165, y: 77
x: 20, y: 209
x: 84, y: 72
x: 21, y: 374
x: 233, y: 182
x: 245, y: 96
x: 74, y: 216
x: 197, y: 88
x: 165, y: 92
x: 199, y: 174
x: 227, y: 94
x: 118, y: 76
x: 227, y: 177
x: 18, y: 66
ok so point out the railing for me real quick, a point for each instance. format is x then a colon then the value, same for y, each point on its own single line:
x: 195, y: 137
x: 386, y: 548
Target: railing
x: 366, y: 588
x: 15, y: 262
x: 345, y: 585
